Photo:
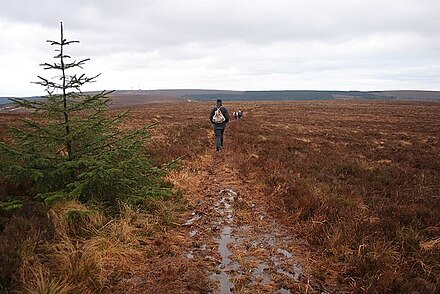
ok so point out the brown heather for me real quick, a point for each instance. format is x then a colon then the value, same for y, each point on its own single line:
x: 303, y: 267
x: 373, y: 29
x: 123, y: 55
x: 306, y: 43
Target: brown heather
x: 358, y: 181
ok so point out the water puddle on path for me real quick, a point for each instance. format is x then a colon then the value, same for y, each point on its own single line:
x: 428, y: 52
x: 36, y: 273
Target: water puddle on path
x: 263, y: 260
x: 292, y: 270
x: 259, y: 274
x: 195, y: 217
x: 225, y: 210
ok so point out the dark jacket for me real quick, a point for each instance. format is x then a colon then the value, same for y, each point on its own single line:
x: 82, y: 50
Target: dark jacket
x: 225, y: 114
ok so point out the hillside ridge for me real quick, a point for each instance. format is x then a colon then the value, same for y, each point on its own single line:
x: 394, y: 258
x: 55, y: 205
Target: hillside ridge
x: 135, y: 97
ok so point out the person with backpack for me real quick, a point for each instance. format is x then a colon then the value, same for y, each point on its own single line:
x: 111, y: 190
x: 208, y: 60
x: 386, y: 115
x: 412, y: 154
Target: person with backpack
x: 239, y: 114
x: 219, y: 117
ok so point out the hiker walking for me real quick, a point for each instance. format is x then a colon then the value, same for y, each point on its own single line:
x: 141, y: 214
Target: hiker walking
x: 219, y: 117
x: 240, y: 114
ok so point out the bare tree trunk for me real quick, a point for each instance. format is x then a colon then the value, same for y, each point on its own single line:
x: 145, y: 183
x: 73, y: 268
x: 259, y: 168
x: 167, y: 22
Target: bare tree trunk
x: 66, y: 113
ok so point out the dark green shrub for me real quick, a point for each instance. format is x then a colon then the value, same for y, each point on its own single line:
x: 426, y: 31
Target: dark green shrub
x: 72, y: 149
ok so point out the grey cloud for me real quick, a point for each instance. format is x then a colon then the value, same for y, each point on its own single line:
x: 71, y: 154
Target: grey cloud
x: 229, y: 42
x: 174, y: 21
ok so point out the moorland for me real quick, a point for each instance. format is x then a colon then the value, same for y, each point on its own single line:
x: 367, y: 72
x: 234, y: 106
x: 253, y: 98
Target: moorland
x: 348, y: 189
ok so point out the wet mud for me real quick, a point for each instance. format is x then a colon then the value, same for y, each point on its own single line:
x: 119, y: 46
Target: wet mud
x: 243, y: 255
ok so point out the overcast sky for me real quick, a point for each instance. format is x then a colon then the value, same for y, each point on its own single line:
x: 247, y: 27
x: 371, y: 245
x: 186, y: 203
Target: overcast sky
x: 227, y: 44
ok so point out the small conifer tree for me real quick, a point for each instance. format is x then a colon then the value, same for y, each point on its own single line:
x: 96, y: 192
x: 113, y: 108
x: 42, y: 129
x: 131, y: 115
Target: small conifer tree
x: 72, y: 148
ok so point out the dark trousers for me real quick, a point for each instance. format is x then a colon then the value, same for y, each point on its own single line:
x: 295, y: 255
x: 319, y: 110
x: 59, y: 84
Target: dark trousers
x: 219, y: 138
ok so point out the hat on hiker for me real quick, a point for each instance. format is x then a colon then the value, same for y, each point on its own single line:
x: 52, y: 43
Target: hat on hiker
x: 219, y: 101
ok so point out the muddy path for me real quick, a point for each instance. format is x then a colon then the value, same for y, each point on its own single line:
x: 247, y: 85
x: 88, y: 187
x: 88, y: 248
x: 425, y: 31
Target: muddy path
x: 232, y: 236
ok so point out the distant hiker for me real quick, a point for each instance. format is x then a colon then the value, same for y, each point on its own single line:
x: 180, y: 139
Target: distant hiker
x: 239, y: 114
x: 219, y: 117
x: 235, y: 114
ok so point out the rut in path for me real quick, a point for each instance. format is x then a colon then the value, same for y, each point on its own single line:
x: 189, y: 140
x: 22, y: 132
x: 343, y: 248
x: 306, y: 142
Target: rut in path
x: 242, y: 247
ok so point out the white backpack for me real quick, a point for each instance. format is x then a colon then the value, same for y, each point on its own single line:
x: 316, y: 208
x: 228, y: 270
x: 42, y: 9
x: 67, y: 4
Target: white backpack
x: 218, y: 117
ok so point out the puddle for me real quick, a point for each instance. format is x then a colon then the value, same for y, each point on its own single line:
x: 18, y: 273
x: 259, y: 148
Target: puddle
x: 231, y: 192
x: 224, y: 205
x: 195, y: 217
x: 225, y: 239
x: 285, y: 252
x: 272, y: 262
x: 298, y: 271
x: 224, y: 267
x: 281, y: 271
x: 224, y: 208
x: 259, y: 274
x: 193, y: 233
x: 282, y: 262
x: 285, y: 265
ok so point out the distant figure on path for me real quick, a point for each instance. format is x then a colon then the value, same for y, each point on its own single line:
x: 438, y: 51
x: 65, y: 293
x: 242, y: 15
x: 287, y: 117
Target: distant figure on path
x: 239, y: 114
x: 219, y: 117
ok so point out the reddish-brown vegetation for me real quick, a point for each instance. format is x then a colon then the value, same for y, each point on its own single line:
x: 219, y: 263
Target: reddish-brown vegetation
x: 358, y: 180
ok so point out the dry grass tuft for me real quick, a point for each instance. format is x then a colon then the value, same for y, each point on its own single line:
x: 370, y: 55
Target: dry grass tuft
x: 91, y: 252
x: 42, y: 283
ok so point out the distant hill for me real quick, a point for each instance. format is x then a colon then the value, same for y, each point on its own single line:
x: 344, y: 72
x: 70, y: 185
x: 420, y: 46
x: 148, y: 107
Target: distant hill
x: 266, y: 95
x: 143, y: 96
x: 5, y: 100
x: 121, y: 98
x: 410, y: 95
x: 316, y: 95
